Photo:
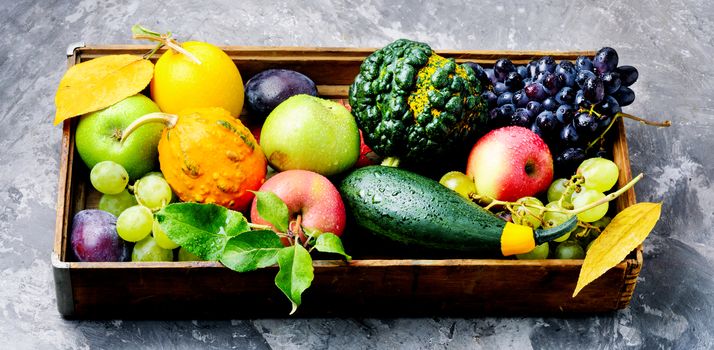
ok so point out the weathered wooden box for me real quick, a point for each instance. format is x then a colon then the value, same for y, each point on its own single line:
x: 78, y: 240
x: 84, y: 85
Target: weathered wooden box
x: 374, y: 285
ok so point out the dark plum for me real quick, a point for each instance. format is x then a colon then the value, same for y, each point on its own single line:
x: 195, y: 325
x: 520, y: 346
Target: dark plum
x: 94, y: 237
x: 605, y: 60
x: 628, y: 75
x: 267, y: 89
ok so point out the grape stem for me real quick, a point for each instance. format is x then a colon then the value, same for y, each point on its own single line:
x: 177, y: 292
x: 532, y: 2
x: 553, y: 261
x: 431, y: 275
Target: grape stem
x: 665, y: 123
x: 493, y: 202
x: 259, y: 226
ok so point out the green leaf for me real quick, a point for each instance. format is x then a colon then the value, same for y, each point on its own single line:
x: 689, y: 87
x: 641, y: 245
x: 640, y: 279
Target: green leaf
x: 296, y: 273
x: 626, y: 231
x: 251, y: 250
x: 273, y: 209
x: 331, y: 243
x: 201, y: 229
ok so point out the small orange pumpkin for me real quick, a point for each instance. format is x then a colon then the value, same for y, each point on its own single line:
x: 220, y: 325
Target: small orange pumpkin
x: 208, y: 156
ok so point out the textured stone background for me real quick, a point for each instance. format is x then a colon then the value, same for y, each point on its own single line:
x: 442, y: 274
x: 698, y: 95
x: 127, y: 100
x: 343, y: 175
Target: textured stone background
x: 670, y: 43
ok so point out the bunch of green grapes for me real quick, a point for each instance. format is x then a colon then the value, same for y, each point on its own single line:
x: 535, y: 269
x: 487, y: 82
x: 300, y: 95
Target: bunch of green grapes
x: 134, y: 207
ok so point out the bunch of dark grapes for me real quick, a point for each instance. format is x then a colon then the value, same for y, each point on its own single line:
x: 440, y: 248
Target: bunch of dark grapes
x: 569, y: 104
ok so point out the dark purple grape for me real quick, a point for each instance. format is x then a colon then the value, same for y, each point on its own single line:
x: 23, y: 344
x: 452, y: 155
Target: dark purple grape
x: 490, y: 97
x: 496, y: 117
x: 582, y: 76
x: 569, y: 135
x: 568, y: 160
x: 534, y: 107
x: 547, y: 122
x: 580, y: 100
x: 605, y: 60
x: 520, y: 99
x: 491, y: 75
x: 585, y: 123
x: 565, y: 113
x: 532, y: 69
x: 499, y: 88
x: 583, y: 63
x: 535, y: 91
x: 549, y: 104
x: 480, y: 74
x: 628, y: 75
x: 502, y: 67
x: 94, y: 237
x: 566, y: 79
x: 609, y: 107
x: 594, y: 89
x: 267, y: 89
x: 521, y: 117
x: 541, y: 76
x: 508, y: 109
x: 566, y: 95
x: 603, y: 122
x: 566, y: 72
x: 505, y: 98
x: 536, y: 130
x: 546, y: 64
x: 522, y: 71
x: 514, y: 81
x: 612, y: 81
x: 624, y: 96
x: 552, y: 84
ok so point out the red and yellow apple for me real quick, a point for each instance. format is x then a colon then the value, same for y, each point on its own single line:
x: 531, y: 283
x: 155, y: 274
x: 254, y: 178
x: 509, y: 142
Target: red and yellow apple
x: 308, y: 194
x: 510, y: 163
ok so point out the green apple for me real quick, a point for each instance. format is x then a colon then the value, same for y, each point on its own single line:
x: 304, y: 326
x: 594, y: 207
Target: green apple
x: 99, y: 133
x: 309, y: 133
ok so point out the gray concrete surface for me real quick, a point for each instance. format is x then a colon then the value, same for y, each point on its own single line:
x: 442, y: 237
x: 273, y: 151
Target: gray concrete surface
x: 670, y: 42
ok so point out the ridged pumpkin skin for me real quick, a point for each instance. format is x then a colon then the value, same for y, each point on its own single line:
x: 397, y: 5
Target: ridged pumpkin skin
x: 211, y: 157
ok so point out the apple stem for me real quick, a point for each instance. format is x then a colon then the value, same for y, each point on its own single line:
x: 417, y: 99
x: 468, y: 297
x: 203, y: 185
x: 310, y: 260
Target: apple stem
x: 139, y: 32
x: 158, y: 117
x: 391, y: 161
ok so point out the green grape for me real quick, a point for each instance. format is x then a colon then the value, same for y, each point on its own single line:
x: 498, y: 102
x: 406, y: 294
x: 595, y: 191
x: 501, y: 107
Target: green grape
x: 600, y: 174
x: 602, y: 223
x: 109, y: 177
x: 116, y: 203
x: 185, y: 255
x: 153, y: 192
x: 148, y: 250
x: 589, y: 245
x: 135, y: 223
x: 161, y: 238
x: 538, y: 253
x: 459, y: 182
x: 553, y: 218
x: 569, y: 250
x: 527, y: 216
x: 556, y: 190
x: 585, y: 197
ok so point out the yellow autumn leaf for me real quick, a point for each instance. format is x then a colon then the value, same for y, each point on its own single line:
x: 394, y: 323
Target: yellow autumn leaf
x: 99, y: 83
x: 625, y: 232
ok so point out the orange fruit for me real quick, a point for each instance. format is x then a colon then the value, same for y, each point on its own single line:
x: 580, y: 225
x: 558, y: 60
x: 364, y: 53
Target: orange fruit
x: 180, y: 83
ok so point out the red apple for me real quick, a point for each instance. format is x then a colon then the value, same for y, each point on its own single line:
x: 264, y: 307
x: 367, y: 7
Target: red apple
x: 510, y: 163
x: 308, y: 194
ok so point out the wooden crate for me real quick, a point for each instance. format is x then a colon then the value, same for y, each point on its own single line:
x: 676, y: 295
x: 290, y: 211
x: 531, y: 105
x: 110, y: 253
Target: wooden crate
x: 370, y: 285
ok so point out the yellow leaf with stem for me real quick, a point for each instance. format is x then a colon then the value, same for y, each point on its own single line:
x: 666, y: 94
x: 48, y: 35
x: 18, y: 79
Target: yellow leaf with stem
x: 625, y: 232
x: 99, y: 83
